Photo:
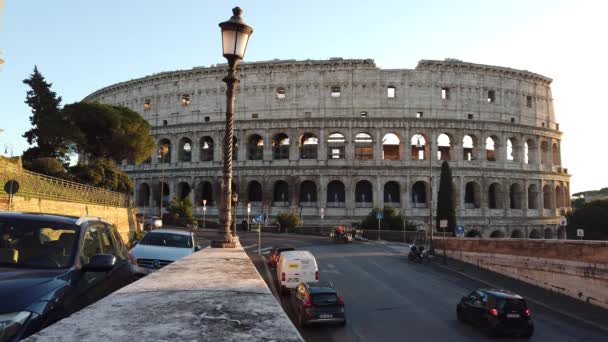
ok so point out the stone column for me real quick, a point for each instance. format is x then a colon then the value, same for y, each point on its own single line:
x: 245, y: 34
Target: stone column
x: 406, y: 199
x: 294, y: 144
x: 322, y: 146
x: 377, y: 144
x: 378, y: 193
x: 174, y: 149
x: 267, y: 151
x: 349, y: 148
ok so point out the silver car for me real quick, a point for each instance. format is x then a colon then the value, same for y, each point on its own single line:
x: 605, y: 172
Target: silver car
x: 161, y: 247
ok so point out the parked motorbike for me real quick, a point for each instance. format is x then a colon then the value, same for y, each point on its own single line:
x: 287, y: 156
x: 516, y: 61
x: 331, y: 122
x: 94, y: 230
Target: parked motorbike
x: 416, y: 254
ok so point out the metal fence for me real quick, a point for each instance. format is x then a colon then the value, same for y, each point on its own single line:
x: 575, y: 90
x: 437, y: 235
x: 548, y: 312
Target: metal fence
x: 34, y: 185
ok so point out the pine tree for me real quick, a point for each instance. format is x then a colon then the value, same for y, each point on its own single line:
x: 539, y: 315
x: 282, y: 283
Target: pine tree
x: 445, y: 200
x: 49, y: 127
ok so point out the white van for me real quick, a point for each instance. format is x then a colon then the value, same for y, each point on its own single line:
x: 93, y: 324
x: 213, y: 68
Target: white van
x: 295, y: 267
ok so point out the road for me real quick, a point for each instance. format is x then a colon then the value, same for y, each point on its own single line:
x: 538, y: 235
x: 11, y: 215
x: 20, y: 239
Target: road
x: 390, y: 299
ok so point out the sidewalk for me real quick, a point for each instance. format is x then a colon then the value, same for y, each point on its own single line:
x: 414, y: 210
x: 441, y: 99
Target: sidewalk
x: 561, y: 304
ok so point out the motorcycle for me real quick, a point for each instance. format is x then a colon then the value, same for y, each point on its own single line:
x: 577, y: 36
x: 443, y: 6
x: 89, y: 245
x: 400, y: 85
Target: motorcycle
x: 416, y: 254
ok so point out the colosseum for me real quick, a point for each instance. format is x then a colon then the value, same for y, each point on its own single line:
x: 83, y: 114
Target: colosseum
x: 343, y: 136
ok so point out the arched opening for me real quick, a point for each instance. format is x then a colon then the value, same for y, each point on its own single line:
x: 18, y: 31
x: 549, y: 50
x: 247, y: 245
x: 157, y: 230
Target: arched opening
x: 517, y: 234
x: 490, y: 149
x: 534, y: 234
x: 164, y: 151
x: 308, y: 194
x: 468, y: 148
x: 206, y: 149
x: 281, y: 194
x: 336, y: 146
x: 530, y: 151
x: 473, y: 234
x: 497, y: 234
x: 204, y: 191
x: 495, y: 196
x: 559, y: 197
x: 363, y: 194
x: 561, y: 233
x: 255, y: 147
x: 308, y: 146
x: 335, y: 194
x: 544, y: 153
x: 280, y: 146
x: 547, y: 197
x: 364, y: 147
x: 555, y: 154
x: 163, y: 188
x: 235, y: 149
x: 472, y: 195
x: 254, y: 192
x: 143, y: 195
x: 183, y: 190
x: 418, y: 147
x: 185, y: 150
x: 391, y: 194
x: 515, y: 196
x: 532, y: 196
x: 512, y: 149
x: 444, y: 147
x: 390, y: 147
x: 548, y: 233
x: 419, y: 197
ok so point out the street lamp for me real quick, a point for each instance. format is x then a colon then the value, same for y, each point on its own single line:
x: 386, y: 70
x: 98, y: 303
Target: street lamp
x: 162, y: 152
x: 235, y: 35
x: 248, y: 212
x: 235, y: 201
x: 204, y: 211
x: 430, y: 156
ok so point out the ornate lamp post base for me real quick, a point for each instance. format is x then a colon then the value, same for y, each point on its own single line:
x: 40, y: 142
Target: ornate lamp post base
x: 223, y: 244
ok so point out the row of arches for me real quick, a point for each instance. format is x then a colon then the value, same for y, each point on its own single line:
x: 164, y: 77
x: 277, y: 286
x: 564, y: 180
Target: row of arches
x: 308, y: 143
x: 308, y: 194
x: 547, y: 233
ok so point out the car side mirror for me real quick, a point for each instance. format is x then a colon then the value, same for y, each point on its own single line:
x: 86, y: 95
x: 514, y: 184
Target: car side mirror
x: 197, y: 248
x: 134, y: 242
x: 100, y: 263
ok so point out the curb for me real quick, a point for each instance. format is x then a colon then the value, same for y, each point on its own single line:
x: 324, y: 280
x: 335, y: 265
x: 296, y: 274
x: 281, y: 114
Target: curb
x: 539, y: 303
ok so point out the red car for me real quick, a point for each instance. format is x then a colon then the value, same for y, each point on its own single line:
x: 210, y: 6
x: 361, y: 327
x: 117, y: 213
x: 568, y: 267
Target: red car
x: 275, y: 253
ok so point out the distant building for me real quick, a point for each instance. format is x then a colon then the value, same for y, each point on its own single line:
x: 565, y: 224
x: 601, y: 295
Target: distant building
x: 345, y: 136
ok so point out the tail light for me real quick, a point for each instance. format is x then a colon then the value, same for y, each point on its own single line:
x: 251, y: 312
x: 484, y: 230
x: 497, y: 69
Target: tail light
x: 340, y: 301
x: 282, y: 276
x: 133, y: 259
x: 527, y: 312
x: 307, y: 302
x: 316, y: 275
x: 493, y: 312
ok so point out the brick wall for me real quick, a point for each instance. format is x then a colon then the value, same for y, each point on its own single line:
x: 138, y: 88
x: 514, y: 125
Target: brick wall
x: 575, y: 268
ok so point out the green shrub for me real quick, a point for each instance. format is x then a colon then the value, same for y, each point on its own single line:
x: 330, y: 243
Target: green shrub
x: 287, y: 220
x: 180, y: 211
x: 391, y: 220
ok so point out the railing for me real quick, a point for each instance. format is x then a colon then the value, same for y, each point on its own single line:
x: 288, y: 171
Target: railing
x: 36, y: 185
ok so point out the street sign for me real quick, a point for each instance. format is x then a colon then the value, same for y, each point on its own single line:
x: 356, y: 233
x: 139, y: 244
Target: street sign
x: 459, y: 230
x: 443, y: 223
x: 580, y: 232
x: 563, y: 222
x: 259, y: 218
x: 380, y: 215
x: 11, y: 187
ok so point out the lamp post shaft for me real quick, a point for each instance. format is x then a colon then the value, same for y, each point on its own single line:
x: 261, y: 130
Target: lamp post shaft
x: 231, y: 82
x: 431, y: 195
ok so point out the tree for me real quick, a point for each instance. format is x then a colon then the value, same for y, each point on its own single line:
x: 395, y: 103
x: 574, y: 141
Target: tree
x: 111, y: 132
x: 46, y: 166
x: 50, y: 129
x: 287, y: 220
x: 391, y: 220
x: 445, y: 200
x: 182, y: 209
x: 591, y: 217
x: 102, y: 173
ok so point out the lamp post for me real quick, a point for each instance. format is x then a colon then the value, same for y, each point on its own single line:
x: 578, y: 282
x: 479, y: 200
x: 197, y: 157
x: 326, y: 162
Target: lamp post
x: 235, y: 200
x: 235, y: 35
x: 162, y: 152
x: 204, y: 211
x: 248, y: 212
x: 430, y: 156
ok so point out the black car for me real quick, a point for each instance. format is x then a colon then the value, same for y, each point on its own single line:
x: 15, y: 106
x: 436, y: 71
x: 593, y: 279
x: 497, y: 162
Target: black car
x: 317, y: 303
x: 52, y: 266
x: 496, y: 312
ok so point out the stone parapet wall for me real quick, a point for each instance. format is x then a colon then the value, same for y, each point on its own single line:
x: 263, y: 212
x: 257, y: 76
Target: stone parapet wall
x: 575, y: 268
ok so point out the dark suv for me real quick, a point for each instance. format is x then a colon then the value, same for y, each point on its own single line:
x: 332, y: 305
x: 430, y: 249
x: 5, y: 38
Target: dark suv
x: 496, y: 311
x: 52, y: 266
x: 317, y: 303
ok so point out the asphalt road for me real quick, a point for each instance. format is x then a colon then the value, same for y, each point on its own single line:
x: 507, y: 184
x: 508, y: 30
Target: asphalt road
x: 390, y: 299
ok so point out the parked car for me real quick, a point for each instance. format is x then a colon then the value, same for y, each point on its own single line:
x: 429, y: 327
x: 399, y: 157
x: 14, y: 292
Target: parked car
x: 295, y: 267
x: 317, y: 303
x: 275, y: 253
x: 161, y: 247
x: 152, y: 222
x: 496, y: 312
x: 52, y: 266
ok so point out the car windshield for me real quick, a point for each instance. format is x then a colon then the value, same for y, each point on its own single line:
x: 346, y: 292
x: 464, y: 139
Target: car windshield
x: 324, y: 298
x: 37, y: 244
x: 166, y: 240
x: 510, y: 304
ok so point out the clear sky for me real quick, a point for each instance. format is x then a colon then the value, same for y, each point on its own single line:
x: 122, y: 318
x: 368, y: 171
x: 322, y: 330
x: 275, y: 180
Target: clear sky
x: 81, y: 46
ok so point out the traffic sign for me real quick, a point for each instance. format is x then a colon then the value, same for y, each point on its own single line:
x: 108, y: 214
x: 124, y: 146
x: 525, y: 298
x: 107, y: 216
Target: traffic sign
x: 11, y: 187
x: 459, y: 230
x: 443, y: 223
x: 563, y: 221
x: 379, y: 215
x: 580, y: 232
x: 259, y: 218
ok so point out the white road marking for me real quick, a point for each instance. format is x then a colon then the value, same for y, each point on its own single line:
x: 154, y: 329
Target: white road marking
x: 249, y: 247
x: 266, y: 249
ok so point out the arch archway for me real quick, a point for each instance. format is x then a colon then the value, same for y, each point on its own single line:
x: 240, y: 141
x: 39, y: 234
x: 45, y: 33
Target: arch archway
x: 497, y: 234
x: 548, y: 233
x: 281, y: 193
x: 515, y: 195
x: 280, y: 146
x: 534, y: 234
x: 495, y: 196
x: 336, y: 146
x: 418, y: 147
x: 308, y: 194
x: 548, y: 197
x: 419, y: 195
x: 532, y: 196
x: 469, y: 143
x: 444, y: 147
x: 204, y: 191
x: 391, y: 193
x: 206, y: 149
x: 164, y: 151
x: 364, y: 147
x: 335, y: 194
x: 490, y: 149
x: 391, y: 147
x: 185, y: 150
x: 143, y: 195
x: 363, y: 194
x: 517, y: 234
x: 473, y: 234
x: 183, y: 190
x: 255, y: 147
x: 254, y: 192
x: 308, y: 146
x: 472, y: 195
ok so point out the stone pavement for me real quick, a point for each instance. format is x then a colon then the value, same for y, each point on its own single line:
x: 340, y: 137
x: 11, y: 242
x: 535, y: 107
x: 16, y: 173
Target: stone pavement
x: 212, y: 295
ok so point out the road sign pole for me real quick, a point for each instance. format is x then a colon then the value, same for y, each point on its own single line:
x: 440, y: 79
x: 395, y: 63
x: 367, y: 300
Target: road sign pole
x: 379, y: 229
x: 259, y: 239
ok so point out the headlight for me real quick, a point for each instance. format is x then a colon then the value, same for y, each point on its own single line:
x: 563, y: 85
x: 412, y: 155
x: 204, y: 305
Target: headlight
x: 11, y: 323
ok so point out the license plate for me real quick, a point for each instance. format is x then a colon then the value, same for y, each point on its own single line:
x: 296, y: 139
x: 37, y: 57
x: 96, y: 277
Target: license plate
x: 326, y: 316
x: 293, y: 280
x: 294, y: 265
x: 512, y: 315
